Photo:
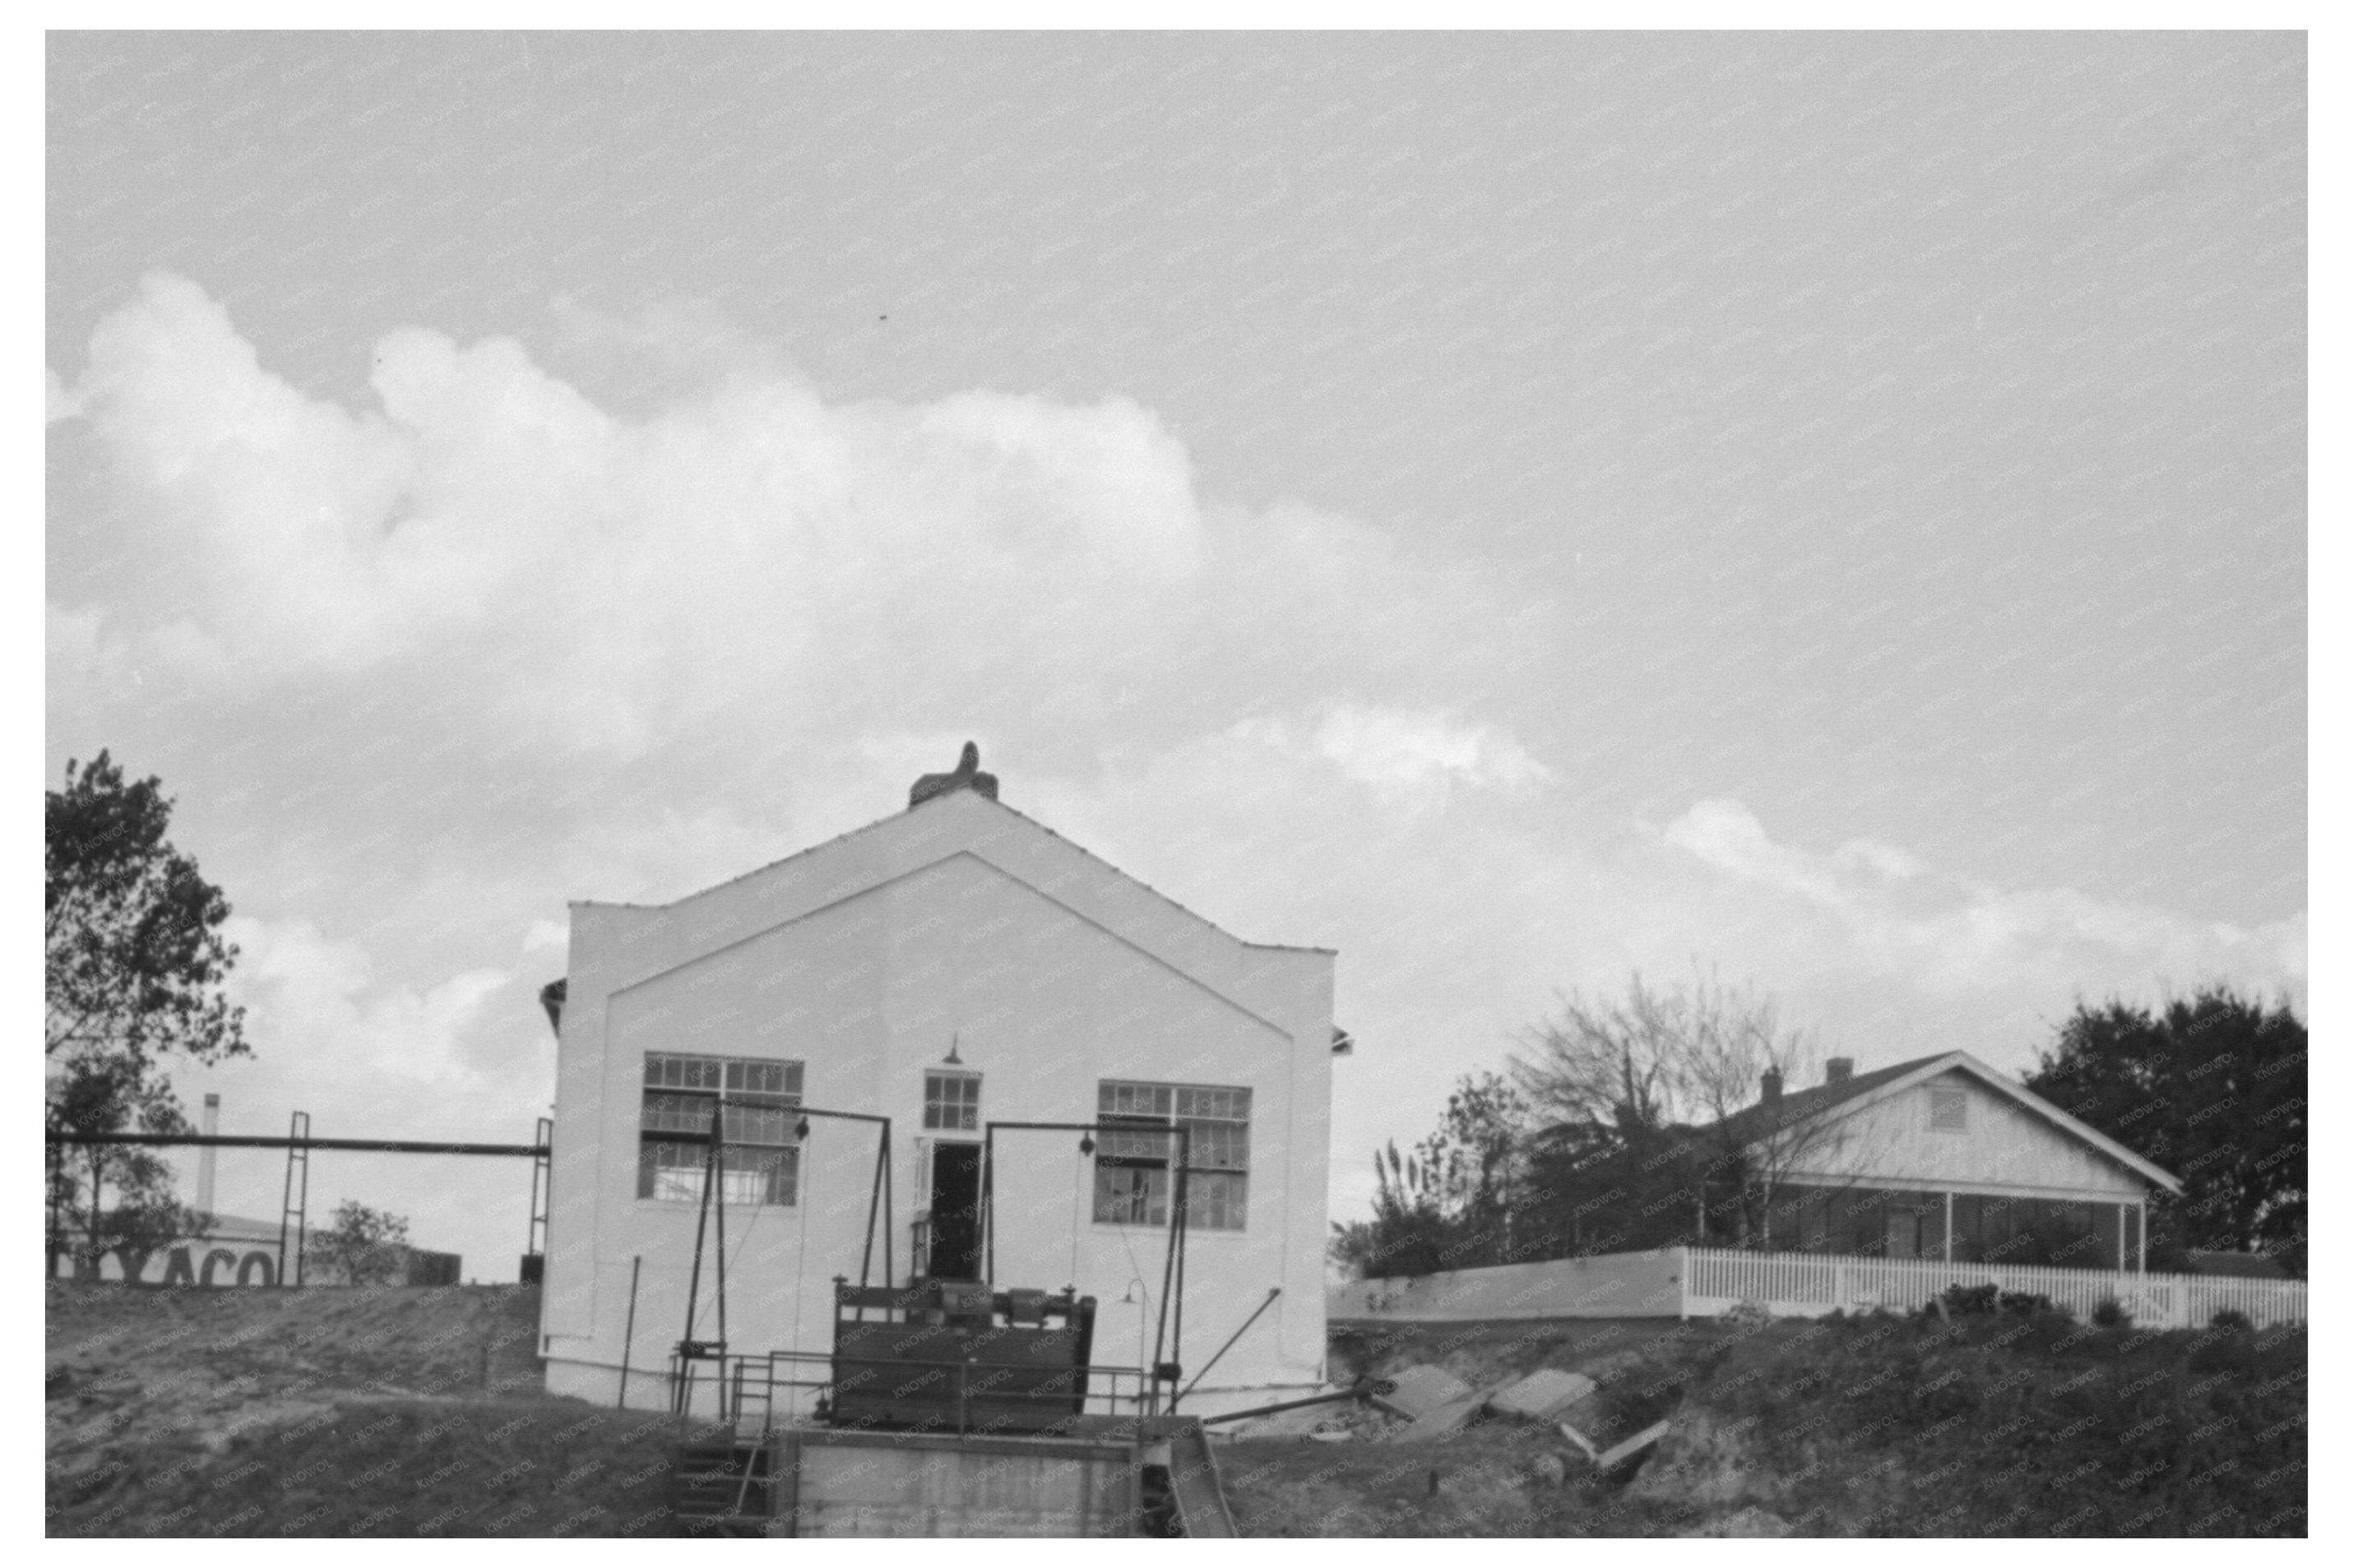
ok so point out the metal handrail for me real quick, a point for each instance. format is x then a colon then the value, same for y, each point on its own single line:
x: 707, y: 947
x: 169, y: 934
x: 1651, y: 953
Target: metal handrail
x: 736, y: 1381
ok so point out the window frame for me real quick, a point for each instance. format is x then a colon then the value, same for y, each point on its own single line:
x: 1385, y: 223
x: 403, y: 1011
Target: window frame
x: 963, y: 1108
x: 1216, y: 1156
x: 756, y: 1125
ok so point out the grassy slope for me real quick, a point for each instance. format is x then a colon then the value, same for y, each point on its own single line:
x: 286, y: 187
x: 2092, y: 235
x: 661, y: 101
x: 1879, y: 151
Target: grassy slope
x: 393, y: 1412
x: 417, y: 1412
x: 1864, y: 1426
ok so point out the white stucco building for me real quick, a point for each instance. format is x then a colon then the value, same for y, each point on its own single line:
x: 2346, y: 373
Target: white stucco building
x: 950, y: 966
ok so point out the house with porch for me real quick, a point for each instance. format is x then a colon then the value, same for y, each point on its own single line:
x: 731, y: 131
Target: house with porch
x: 1878, y: 1190
x: 881, y: 1024
x: 1941, y: 1158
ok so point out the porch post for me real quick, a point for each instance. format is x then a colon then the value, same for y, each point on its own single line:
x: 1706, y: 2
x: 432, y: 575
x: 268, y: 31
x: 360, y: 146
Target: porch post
x: 2143, y: 1206
x: 2122, y: 1265
x: 1948, y: 1224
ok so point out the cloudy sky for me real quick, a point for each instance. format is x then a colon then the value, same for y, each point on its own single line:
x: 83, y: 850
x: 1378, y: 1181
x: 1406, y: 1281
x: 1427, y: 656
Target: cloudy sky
x: 1516, y: 510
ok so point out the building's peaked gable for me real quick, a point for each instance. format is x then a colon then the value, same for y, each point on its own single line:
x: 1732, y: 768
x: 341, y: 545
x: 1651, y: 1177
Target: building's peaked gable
x: 938, y: 829
x: 1867, y: 1089
x: 929, y: 872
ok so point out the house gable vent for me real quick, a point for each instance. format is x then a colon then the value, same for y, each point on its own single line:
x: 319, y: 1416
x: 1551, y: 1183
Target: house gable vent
x: 1948, y: 1111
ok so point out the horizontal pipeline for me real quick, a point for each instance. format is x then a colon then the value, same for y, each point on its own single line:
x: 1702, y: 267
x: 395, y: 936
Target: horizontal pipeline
x: 362, y: 1145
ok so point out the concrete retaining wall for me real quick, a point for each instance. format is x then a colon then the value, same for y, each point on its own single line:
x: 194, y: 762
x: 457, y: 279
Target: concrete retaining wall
x: 1618, y: 1285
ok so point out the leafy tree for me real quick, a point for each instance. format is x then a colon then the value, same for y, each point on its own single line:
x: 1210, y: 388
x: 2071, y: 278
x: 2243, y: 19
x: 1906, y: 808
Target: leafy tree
x: 146, y: 1215
x: 135, y: 968
x: 365, y: 1246
x: 135, y: 958
x: 1451, y: 1202
x: 2212, y: 1088
x: 1409, y: 1234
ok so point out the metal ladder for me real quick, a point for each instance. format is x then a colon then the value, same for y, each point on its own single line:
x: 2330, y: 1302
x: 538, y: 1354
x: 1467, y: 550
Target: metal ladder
x: 542, y: 1189
x: 293, y: 1217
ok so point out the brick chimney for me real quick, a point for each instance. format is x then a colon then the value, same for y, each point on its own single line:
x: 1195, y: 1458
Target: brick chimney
x: 1772, y: 1085
x: 1838, y: 1069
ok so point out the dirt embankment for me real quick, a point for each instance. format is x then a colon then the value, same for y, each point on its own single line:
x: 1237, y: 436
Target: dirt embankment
x: 409, y: 1413
x: 1993, y: 1425
x: 329, y: 1412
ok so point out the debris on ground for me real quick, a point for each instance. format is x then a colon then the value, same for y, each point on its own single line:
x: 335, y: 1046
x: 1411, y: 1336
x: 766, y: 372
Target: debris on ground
x: 1545, y: 1394
x: 1632, y: 1448
x: 1420, y: 1390
x: 1705, y: 1463
x: 1748, y: 1523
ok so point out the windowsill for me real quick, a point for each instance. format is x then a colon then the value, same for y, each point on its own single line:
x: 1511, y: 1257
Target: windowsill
x: 1191, y: 1232
x: 688, y: 1205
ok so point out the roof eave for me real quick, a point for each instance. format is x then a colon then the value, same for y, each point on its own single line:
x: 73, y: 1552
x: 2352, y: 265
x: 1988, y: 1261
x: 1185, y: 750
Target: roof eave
x: 2156, y: 1174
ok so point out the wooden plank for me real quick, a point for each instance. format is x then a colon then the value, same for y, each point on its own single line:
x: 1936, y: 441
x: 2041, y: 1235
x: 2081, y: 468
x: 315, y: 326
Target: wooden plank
x: 1612, y: 1457
x: 1200, y: 1495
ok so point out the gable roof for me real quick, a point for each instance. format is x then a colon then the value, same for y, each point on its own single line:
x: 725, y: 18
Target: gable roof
x: 882, y: 824
x: 1759, y: 1122
x: 636, y: 943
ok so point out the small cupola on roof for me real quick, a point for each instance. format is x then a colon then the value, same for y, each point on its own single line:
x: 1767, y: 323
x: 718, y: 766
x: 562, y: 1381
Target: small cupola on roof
x: 967, y: 775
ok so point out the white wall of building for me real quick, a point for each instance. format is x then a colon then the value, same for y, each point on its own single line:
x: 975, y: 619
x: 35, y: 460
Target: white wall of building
x: 862, y: 959
x: 2005, y: 1147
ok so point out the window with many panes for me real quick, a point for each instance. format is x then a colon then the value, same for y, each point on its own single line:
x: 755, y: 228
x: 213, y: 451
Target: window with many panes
x: 756, y: 1099
x: 1132, y: 1169
x: 952, y: 1101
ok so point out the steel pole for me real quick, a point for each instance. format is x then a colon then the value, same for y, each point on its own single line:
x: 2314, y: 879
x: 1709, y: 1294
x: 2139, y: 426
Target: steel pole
x: 629, y: 1332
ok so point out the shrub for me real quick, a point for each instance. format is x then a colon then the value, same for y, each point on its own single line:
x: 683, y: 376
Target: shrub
x: 2111, y: 1314
x: 2025, y: 1304
x: 2231, y: 1321
x: 1969, y: 1300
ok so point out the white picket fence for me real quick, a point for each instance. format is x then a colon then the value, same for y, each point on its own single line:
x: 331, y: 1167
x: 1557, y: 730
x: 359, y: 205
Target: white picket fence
x: 1715, y: 1279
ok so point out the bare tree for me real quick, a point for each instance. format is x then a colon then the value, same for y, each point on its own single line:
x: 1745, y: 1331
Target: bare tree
x: 1675, y: 1080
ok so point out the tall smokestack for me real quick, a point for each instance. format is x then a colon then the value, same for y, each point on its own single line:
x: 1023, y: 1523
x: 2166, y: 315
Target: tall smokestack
x: 1839, y: 1070
x: 208, y: 1155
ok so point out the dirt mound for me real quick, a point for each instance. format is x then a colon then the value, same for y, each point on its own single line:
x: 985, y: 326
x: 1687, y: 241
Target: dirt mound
x: 155, y: 1384
x: 1878, y: 1426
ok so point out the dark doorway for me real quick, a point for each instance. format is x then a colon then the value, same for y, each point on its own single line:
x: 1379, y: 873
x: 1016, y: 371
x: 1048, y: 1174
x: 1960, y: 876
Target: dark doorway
x: 956, y: 1211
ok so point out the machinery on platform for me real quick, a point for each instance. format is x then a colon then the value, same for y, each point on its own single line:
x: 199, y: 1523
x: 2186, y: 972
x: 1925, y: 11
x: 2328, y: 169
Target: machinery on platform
x: 949, y: 1407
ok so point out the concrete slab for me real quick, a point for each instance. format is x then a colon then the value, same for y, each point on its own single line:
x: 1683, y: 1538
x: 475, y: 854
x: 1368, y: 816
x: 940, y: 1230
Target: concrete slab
x: 1420, y: 1390
x: 1442, y: 1422
x: 1543, y: 1395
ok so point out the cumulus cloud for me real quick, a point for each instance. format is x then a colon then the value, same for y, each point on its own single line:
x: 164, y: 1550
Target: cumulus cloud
x: 1383, y: 746
x: 618, y: 575
x: 1944, y: 931
x: 299, y: 985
